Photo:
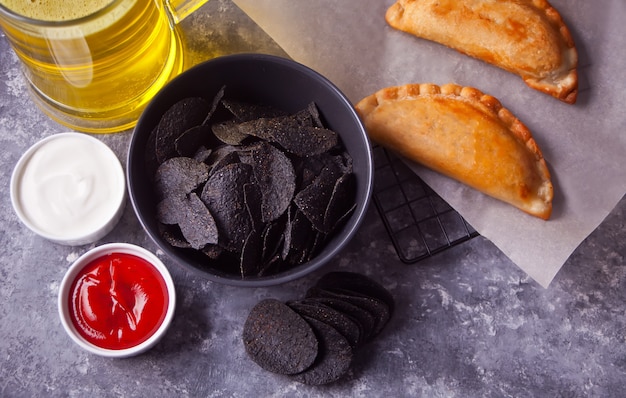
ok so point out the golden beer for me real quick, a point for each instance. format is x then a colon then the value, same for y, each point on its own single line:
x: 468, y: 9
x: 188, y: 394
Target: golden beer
x: 93, y: 68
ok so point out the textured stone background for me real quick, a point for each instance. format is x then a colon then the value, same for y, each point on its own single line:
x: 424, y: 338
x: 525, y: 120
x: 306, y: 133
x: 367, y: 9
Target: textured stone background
x: 468, y: 322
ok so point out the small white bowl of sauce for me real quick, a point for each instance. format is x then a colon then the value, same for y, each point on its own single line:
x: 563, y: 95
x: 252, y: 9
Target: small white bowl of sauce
x: 117, y: 300
x: 69, y: 188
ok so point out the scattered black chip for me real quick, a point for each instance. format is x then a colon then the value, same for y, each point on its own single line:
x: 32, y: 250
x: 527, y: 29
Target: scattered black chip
x: 366, y: 321
x: 377, y: 308
x: 334, y: 357
x: 272, y: 334
x: 278, y: 339
x: 340, y: 321
x: 356, y: 282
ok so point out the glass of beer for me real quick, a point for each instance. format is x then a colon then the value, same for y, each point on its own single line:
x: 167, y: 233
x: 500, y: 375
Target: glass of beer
x: 93, y: 65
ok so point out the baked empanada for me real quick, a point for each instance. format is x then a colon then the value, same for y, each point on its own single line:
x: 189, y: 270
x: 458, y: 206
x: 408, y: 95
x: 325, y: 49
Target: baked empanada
x: 464, y: 134
x: 525, y: 37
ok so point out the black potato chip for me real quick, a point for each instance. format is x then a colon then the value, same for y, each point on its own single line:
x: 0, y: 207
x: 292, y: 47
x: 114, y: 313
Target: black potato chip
x: 308, y: 168
x: 250, y: 253
x: 213, y: 252
x: 299, y: 237
x: 275, y: 176
x: 202, y: 154
x: 187, y: 143
x: 179, y: 176
x: 313, y: 200
x: 272, y: 239
x: 192, y: 217
x: 198, y: 226
x: 367, y: 322
x: 253, y: 198
x: 356, y: 282
x: 287, y: 131
x: 377, y: 308
x: 180, y: 117
x: 341, y: 203
x: 224, y: 196
x: 214, y: 104
x: 244, y: 111
x: 278, y: 339
x: 222, y: 156
x: 169, y: 209
x: 173, y: 236
x: 306, y: 141
x: 312, y: 115
x: 229, y: 133
x: 338, y: 320
x: 333, y: 360
x: 272, y: 334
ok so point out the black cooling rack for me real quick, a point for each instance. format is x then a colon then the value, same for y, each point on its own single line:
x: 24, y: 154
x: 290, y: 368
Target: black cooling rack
x: 418, y: 221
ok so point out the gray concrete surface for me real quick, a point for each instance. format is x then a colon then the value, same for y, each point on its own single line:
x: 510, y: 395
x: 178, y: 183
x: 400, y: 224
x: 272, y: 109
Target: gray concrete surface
x: 468, y: 322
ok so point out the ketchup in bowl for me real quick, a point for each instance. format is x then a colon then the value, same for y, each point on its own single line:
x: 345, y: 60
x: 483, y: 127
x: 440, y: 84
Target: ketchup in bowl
x: 116, y: 300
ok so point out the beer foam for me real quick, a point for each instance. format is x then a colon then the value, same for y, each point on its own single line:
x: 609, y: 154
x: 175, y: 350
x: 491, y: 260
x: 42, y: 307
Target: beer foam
x: 55, y: 10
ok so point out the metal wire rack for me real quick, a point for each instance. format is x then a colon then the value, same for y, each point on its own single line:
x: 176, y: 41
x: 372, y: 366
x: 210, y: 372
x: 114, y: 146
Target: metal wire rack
x: 418, y: 221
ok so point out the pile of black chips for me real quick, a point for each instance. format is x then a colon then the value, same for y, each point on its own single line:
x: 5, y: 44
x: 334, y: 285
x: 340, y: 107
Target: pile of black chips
x: 313, y: 340
x: 253, y: 186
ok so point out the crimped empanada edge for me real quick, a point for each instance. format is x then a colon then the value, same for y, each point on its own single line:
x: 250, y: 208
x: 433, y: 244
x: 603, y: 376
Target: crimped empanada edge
x: 564, y: 83
x: 478, y: 98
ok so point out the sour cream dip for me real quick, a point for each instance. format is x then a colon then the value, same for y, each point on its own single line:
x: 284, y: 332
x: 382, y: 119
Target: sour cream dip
x: 69, y: 188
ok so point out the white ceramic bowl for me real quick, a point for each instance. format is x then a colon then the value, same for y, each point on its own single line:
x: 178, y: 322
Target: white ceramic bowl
x: 74, y: 271
x: 69, y: 188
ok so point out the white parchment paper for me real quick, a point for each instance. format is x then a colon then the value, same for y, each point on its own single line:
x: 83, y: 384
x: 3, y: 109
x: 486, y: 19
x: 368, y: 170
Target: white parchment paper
x: 584, y: 144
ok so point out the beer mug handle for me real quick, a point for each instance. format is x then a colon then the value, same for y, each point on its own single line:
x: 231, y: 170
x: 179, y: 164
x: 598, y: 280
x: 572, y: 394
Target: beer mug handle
x: 181, y: 9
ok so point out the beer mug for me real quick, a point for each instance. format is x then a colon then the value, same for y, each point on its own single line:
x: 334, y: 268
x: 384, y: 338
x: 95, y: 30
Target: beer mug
x: 94, y: 65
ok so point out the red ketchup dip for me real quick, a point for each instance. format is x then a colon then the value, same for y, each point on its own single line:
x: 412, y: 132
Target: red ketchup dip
x: 118, y: 301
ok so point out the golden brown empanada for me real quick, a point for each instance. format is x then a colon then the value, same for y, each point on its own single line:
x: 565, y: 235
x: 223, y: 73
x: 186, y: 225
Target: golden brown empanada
x: 464, y: 134
x: 525, y: 37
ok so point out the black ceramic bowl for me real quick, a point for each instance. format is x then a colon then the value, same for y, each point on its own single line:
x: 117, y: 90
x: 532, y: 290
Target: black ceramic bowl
x: 256, y: 78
